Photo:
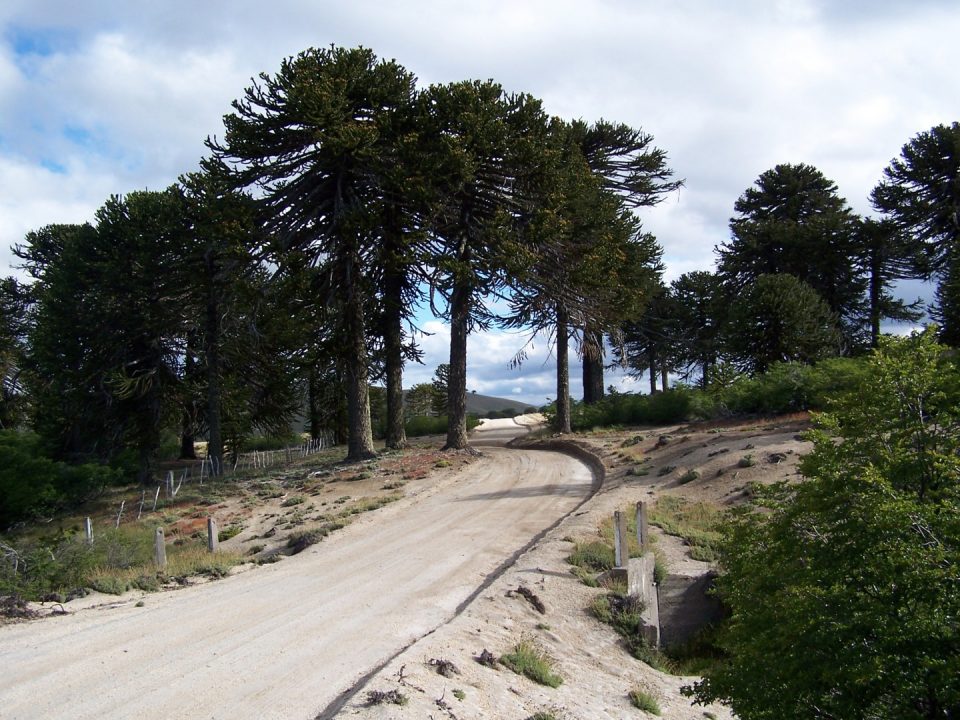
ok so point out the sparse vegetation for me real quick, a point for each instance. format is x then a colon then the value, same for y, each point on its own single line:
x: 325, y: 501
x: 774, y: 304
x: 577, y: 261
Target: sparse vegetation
x: 689, y: 476
x: 530, y: 661
x: 229, y: 532
x: 642, y: 700
x: 746, y: 461
x: 391, y: 697
x: 697, y: 523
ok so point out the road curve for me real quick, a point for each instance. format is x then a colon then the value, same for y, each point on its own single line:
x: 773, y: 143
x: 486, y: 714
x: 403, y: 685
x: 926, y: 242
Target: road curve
x: 286, y: 640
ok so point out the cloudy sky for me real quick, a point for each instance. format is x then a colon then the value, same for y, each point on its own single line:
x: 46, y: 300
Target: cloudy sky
x: 103, y: 97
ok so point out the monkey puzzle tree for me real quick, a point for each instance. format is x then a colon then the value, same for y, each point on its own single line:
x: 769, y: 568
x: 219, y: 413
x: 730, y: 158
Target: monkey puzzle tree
x: 314, y: 140
x: 887, y: 254
x: 779, y: 318
x: 792, y: 221
x: 628, y: 165
x: 920, y: 192
x: 482, y: 142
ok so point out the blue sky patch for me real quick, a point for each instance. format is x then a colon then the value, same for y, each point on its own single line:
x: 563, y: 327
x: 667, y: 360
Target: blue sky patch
x: 39, y: 42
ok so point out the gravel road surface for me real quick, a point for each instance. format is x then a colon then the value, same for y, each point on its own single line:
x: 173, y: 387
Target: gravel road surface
x: 286, y: 640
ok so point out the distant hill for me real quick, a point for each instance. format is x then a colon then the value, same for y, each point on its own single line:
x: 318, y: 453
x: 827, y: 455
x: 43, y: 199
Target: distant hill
x: 483, y: 404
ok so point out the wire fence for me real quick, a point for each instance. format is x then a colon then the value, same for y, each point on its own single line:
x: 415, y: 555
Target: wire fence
x: 209, y: 468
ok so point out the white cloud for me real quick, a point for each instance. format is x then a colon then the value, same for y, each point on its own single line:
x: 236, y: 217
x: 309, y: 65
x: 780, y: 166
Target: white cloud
x: 120, y: 96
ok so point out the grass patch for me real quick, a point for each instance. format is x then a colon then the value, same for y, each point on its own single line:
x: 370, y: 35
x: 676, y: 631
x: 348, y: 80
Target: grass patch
x: 530, y: 661
x: 184, y: 562
x: 689, y: 476
x: 697, y: 523
x: 302, y: 539
x: 368, y: 504
x: 643, y: 700
x: 119, y: 559
x: 594, y: 556
x: 292, y: 500
x: 229, y: 532
x: 746, y: 461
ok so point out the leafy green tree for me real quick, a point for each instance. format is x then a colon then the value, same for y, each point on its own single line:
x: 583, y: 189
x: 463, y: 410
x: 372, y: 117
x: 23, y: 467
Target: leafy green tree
x: 441, y: 388
x: 778, y: 319
x: 72, y: 408
x: 842, y: 593
x: 920, y: 192
x: 792, y: 221
x: 314, y: 139
x: 221, y: 239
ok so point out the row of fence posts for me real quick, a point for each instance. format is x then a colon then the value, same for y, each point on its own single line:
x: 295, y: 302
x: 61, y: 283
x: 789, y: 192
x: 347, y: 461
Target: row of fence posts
x: 210, y: 467
x: 620, y: 533
x: 160, y: 543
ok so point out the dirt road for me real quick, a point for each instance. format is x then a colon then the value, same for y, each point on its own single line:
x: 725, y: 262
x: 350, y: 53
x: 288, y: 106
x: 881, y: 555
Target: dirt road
x: 286, y: 640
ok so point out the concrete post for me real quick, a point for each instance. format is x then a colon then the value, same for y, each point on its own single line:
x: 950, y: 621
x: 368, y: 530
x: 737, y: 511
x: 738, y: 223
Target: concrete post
x: 160, y: 549
x: 643, y: 536
x: 88, y: 530
x: 620, y: 548
x: 213, y: 535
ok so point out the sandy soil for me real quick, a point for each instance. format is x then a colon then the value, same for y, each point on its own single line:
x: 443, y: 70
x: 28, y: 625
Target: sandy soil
x: 597, y: 671
x: 374, y: 606
x: 286, y: 640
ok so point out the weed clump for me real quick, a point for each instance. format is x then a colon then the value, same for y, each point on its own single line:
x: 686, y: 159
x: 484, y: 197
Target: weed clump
x: 643, y: 700
x: 530, y: 661
x: 381, y: 697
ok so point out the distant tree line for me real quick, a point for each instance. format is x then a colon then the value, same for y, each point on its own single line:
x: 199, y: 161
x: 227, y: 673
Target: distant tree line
x: 803, y: 277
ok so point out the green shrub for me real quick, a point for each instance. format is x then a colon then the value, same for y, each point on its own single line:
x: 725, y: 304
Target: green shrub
x: 32, y: 485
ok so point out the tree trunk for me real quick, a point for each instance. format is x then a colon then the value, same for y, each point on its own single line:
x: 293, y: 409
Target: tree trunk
x: 876, y: 286
x: 314, y: 400
x: 211, y: 348
x: 393, y: 351
x: 563, y: 372
x: 187, y: 439
x: 664, y: 379
x: 457, y: 381
x: 652, y: 357
x: 592, y: 366
x: 360, y: 430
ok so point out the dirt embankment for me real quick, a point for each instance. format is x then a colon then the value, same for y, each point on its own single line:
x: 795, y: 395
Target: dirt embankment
x: 716, y: 463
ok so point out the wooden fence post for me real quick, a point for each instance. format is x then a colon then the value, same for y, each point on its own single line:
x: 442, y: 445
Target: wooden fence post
x: 620, y: 548
x: 643, y: 536
x: 213, y: 535
x: 160, y: 549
